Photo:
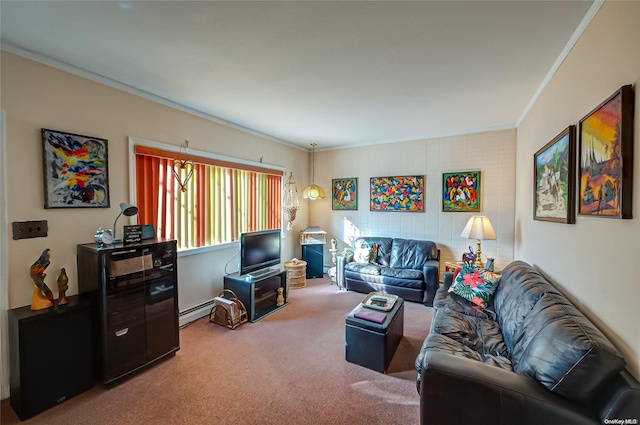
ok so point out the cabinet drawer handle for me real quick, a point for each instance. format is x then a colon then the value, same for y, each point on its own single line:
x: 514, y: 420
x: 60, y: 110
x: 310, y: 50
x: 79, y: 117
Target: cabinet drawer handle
x: 122, y: 332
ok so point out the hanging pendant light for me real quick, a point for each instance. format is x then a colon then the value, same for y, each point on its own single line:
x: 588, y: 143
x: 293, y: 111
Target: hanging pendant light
x: 313, y: 191
x: 183, y: 168
x: 291, y: 203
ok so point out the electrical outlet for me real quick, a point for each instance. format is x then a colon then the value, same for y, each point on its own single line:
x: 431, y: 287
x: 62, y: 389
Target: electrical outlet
x: 30, y: 229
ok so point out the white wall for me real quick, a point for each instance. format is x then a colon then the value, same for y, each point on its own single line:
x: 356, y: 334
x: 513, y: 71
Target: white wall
x: 36, y: 96
x: 595, y: 259
x: 491, y: 152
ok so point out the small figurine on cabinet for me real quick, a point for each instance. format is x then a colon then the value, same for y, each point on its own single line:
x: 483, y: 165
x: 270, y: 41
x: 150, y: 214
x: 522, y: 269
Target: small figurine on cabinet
x: 63, y: 281
x: 280, y: 299
x: 42, y: 296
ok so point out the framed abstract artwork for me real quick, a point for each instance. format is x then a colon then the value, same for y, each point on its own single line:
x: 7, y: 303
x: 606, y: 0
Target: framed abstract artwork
x: 606, y: 157
x: 554, y: 179
x: 398, y: 193
x: 344, y: 194
x: 461, y: 191
x: 75, y: 170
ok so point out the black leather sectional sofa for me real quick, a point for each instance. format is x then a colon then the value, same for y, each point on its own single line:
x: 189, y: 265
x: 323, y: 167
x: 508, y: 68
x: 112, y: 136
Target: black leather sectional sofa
x: 405, y: 267
x: 529, y: 358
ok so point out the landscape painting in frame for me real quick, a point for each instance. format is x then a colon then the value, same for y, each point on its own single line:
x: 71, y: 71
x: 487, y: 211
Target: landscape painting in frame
x: 606, y: 157
x: 554, y: 179
x: 344, y: 194
x: 75, y: 170
x: 398, y: 193
x: 461, y: 191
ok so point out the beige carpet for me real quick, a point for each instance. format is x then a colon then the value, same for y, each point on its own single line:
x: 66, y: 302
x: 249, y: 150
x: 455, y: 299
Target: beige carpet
x: 289, y: 367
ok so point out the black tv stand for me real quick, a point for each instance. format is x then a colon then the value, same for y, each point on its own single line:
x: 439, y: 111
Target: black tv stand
x: 258, y: 293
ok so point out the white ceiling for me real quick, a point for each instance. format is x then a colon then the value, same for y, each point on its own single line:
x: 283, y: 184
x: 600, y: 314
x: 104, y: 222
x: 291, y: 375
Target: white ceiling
x: 337, y: 73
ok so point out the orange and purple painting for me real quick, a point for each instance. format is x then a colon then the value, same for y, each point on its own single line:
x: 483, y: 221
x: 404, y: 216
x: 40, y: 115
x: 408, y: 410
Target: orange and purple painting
x: 75, y: 171
x: 601, y: 159
x: 398, y: 193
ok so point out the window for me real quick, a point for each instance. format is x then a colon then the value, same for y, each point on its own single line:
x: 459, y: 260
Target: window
x: 222, y: 199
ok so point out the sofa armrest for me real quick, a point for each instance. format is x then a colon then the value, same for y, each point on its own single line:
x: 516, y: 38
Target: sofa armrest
x: 488, y: 394
x: 431, y: 272
x: 447, y: 281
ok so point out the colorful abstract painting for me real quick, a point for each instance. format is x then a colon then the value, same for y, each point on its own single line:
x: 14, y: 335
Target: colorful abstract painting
x: 554, y: 179
x: 606, y: 157
x: 75, y: 170
x: 461, y: 191
x: 344, y: 194
x: 399, y: 193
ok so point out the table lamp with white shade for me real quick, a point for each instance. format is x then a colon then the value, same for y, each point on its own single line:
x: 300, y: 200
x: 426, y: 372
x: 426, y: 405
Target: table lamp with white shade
x: 478, y: 227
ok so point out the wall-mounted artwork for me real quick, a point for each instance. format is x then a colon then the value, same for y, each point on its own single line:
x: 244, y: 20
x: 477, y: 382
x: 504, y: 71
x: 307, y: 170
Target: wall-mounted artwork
x: 398, y: 193
x: 554, y: 179
x: 461, y: 191
x: 606, y: 157
x: 344, y: 194
x: 75, y: 170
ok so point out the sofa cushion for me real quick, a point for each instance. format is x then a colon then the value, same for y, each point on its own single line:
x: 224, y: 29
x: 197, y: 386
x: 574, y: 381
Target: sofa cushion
x: 478, y: 332
x: 564, y: 351
x: 475, y: 285
x: 402, y: 273
x: 383, y: 253
x: 411, y: 254
x: 364, y: 268
x: 376, y: 280
x: 437, y: 342
x: 520, y: 288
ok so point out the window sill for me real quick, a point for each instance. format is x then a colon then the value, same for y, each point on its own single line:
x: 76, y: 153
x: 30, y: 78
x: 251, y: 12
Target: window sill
x: 203, y: 249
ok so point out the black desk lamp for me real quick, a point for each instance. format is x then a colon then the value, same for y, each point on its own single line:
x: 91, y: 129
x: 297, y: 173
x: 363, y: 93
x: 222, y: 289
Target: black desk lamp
x: 126, y: 209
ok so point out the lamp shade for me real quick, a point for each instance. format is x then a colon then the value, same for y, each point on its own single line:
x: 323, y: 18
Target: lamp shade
x: 478, y: 227
x: 313, y: 192
x: 128, y: 209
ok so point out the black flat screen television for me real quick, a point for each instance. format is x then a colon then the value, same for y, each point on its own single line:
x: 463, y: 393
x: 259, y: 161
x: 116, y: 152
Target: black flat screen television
x: 259, y: 250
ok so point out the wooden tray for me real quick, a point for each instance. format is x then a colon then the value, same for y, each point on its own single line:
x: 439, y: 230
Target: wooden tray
x: 391, y: 301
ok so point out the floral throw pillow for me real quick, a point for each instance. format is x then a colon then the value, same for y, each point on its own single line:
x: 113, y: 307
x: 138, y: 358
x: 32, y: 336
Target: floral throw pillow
x: 365, y: 252
x: 475, y: 285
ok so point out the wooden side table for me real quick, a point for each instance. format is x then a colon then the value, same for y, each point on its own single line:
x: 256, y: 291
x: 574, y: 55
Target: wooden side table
x: 451, y: 266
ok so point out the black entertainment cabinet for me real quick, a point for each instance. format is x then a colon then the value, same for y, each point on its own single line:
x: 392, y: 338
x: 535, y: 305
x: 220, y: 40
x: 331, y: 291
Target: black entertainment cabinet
x: 134, y: 292
x: 258, y: 294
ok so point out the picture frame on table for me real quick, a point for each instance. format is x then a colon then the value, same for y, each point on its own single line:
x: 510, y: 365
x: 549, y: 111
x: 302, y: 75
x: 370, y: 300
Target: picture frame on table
x: 606, y: 157
x: 75, y: 170
x: 397, y: 193
x: 554, y: 179
x: 344, y: 194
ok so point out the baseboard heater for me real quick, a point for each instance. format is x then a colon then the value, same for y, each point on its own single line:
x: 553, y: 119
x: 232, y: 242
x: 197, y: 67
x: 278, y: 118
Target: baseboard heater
x: 194, y: 313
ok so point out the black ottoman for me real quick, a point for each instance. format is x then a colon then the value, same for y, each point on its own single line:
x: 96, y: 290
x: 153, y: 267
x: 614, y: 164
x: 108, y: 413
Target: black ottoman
x: 371, y: 344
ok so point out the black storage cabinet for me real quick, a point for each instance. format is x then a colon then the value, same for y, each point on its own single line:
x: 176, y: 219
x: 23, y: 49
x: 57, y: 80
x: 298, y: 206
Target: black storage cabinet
x: 50, y: 355
x: 134, y: 290
x: 314, y: 256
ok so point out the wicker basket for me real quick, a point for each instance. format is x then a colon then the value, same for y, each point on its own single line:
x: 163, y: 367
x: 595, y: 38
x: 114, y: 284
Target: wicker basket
x: 222, y: 316
x: 296, y: 274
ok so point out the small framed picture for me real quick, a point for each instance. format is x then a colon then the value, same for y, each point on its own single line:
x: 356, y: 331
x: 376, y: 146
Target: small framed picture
x: 461, y: 191
x: 554, y: 179
x: 344, y: 194
x: 75, y: 170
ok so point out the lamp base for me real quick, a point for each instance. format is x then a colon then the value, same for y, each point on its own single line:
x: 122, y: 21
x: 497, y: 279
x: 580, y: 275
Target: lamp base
x: 478, y: 264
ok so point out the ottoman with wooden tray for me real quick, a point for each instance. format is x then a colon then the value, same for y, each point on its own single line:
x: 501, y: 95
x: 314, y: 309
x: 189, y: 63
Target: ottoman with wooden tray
x: 369, y: 343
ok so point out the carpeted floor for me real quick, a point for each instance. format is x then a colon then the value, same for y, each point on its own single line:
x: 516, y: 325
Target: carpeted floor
x: 289, y: 367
